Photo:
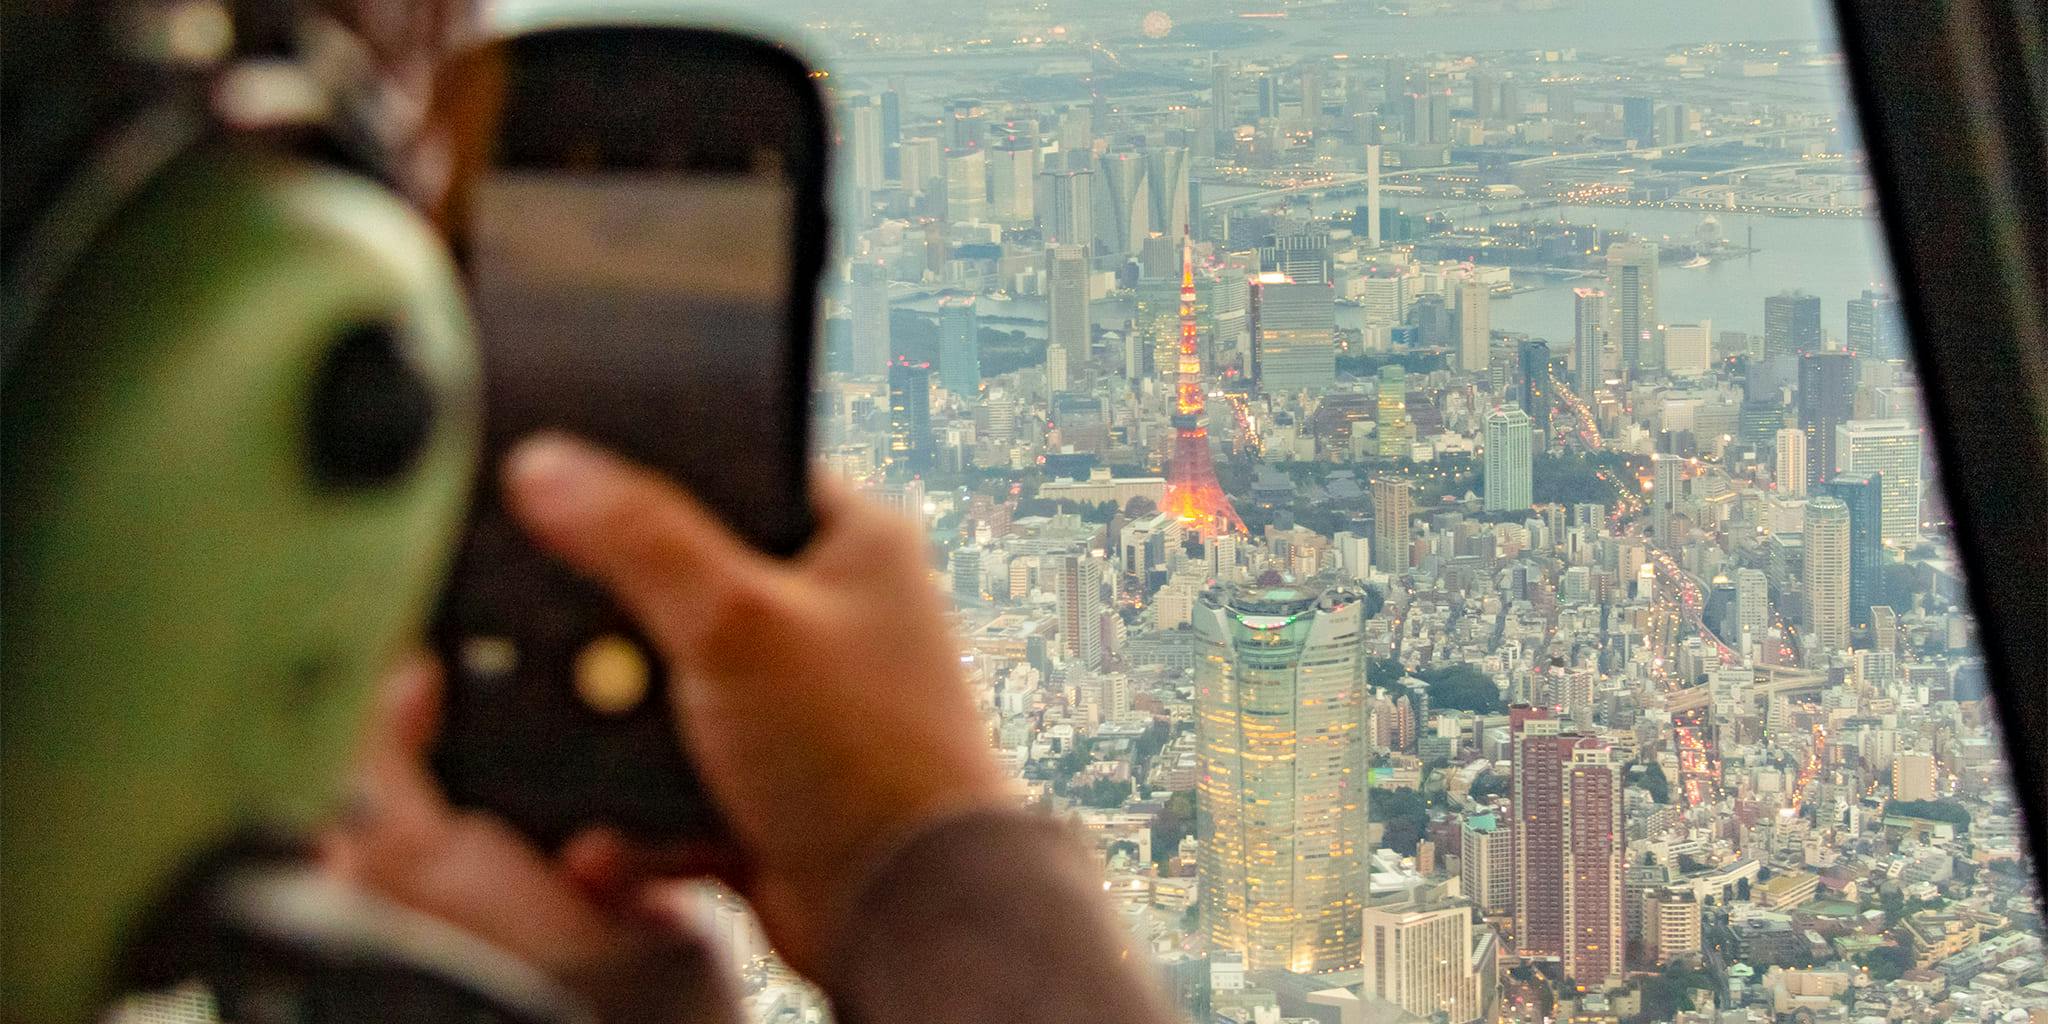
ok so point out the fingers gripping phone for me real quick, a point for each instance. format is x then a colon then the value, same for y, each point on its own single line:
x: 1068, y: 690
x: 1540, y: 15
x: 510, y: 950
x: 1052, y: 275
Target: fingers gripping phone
x: 644, y: 240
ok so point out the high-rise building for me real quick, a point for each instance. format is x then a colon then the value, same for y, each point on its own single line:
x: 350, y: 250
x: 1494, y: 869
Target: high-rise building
x: 965, y: 567
x: 1303, y: 256
x: 1223, y: 92
x: 1533, y: 387
x: 1639, y: 121
x: 920, y: 162
x: 910, y: 417
x: 1067, y: 324
x: 1791, y: 324
x: 1392, y: 505
x: 891, y: 104
x: 868, y: 301
x: 1893, y: 449
x: 1396, y: 432
x: 1863, y: 494
x: 1166, y: 187
x: 1753, y: 602
x: 1123, y: 203
x: 1827, y: 399
x: 1789, y: 471
x: 1281, y: 801
x: 1297, y: 331
x: 1311, y: 94
x: 1570, y: 845
x: 1430, y: 961
x: 1509, y: 462
x: 862, y: 144
x: 1671, y: 924
x: 1876, y: 328
x: 1013, y: 180
x: 1078, y: 583
x: 1589, y: 337
x: 1688, y: 349
x: 1486, y: 862
x: 1826, y: 584
x: 1632, y: 294
x: 1913, y: 776
x: 1475, y: 324
x: 966, y: 185
x: 1066, y: 208
x: 959, y: 345
x: 1667, y: 496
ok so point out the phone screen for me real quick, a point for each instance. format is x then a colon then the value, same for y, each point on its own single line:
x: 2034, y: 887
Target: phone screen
x: 649, y: 310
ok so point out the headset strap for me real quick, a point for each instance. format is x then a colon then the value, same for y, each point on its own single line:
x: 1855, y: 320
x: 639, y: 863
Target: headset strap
x: 275, y: 74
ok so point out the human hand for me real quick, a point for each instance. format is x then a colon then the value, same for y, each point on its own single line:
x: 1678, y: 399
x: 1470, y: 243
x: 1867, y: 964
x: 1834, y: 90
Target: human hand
x: 589, y: 920
x: 820, y: 698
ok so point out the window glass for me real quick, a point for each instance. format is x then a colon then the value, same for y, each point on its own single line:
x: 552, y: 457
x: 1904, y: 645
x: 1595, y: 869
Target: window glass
x: 1439, y: 493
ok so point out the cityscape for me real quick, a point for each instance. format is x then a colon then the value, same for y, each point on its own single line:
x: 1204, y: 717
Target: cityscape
x: 1444, y: 508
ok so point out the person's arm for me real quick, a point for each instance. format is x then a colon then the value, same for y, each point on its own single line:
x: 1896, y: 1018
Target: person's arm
x: 825, y: 705
x: 989, y: 917
x: 822, y: 701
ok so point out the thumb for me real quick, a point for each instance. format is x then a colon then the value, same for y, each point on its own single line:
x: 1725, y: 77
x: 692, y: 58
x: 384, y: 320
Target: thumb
x: 658, y: 549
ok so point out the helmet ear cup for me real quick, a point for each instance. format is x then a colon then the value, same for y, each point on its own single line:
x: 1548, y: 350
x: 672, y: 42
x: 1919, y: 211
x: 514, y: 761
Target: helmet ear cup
x: 237, y: 454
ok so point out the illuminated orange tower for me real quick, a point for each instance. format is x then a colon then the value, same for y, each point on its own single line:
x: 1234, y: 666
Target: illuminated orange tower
x: 1191, y: 488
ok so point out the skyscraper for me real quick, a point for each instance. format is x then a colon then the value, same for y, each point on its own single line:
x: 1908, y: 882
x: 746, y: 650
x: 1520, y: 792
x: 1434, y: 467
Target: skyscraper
x: 1166, y: 187
x: 1862, y: 494
x: 1826, y: 583
x: 1875, y: 326
x: 1067, y: 323
x: 1688, y: 349
x: 1223, y: 93
x: 1297, y: 330
x: 1789, y: 472
x: 1508, y: 460
x: 1080, y: 609
x: 1013, y: 180
x: 1396, y: 432
x: 1791, y: 324
x: 868, y: 300
x: 892, y: 135
x: 1827, y: 399
x: 966, y: 185
x: 1475, y: 324
x: 1753, y: 602
x: 1486, y: 862
x: 1066, y: 210
x: 862, y: 143
x: 1892, y: 448
x: 1532, y: 387
x: 1632, y: 292
x: 1281, y: 801
x: 959, y: 345
x: 1589, y: 337
x: 1392, y: 505
x: 1429, y: 960
x: 1639, y: 121
x: 1570, y: 844
x: 1123, y: 203
x: 910, y: 417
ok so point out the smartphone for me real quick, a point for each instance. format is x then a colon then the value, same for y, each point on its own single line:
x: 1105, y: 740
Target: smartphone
x: 643, y: 236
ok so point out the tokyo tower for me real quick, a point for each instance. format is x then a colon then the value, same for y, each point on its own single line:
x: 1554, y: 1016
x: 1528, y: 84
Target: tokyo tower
x: 1192, y: 492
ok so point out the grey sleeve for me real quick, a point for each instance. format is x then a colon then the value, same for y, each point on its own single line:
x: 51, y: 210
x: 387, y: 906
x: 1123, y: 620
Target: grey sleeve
x: 989, y: 917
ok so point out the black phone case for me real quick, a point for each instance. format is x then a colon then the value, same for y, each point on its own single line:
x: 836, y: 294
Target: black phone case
x: 517, y: 738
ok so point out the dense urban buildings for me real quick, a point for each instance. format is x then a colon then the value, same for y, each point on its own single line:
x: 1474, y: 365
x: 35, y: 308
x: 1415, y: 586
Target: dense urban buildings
x: 1444, y: 510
